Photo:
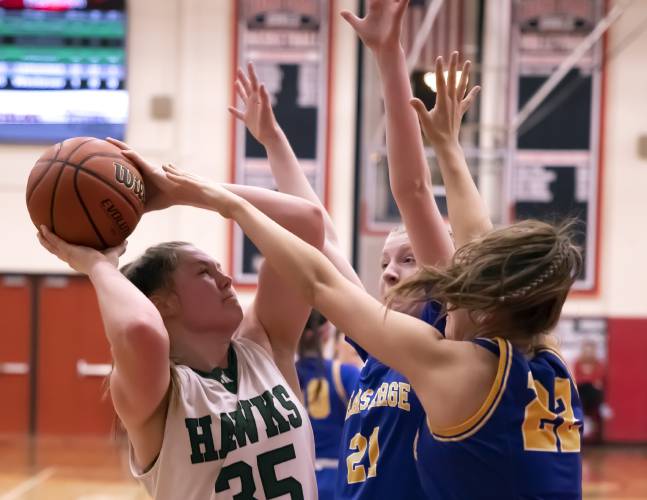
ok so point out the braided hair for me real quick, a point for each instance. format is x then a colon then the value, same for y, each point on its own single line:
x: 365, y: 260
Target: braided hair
x: 152, y: 272
x: 519, y: 276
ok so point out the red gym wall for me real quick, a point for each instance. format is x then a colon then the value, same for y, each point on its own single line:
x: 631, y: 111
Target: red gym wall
x: 15, y: 325
x: 69, y: 402
x: 66, y: 400
x: 626, y: 384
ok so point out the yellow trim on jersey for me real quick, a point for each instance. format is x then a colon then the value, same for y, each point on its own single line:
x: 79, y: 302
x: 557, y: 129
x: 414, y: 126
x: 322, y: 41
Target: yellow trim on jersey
x: 558, y: 355
x: 480, y: 418
x: 336, y: 378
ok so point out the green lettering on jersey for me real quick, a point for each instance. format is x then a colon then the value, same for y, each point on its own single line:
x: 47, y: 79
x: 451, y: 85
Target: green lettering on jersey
x: 244, y: 424
x: 271, y: 416
x: 283, y: 396
x: 227, y: 442
x: 203, y: 437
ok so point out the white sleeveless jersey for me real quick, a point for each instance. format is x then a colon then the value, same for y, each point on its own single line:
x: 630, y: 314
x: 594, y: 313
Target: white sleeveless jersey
x: 235, y: 433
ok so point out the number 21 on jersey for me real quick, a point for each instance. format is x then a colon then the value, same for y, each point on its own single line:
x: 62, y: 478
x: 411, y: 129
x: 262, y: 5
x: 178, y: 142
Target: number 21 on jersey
x: 548, y: 419
x: 356, y: 471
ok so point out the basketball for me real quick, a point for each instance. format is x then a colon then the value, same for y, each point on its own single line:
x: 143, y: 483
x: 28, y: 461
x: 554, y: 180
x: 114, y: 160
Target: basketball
x: 86, y: 192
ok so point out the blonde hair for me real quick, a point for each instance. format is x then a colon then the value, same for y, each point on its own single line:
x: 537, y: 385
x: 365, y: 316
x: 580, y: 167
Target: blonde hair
x: 515, y: 279
x: 397, y: 230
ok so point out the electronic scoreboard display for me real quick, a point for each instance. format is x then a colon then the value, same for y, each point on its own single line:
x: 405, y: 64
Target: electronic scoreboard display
x: 62, y: 69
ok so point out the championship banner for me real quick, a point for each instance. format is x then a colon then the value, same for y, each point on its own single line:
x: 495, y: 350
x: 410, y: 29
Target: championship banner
x: 554, y: 172
x: 289, y: 43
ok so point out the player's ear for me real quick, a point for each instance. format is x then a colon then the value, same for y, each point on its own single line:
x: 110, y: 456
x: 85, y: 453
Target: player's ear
x: 167, y: 303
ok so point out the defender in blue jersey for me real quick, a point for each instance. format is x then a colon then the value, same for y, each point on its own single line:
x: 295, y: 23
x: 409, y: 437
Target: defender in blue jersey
x: 326, y: 386
x: 506, y: 284
x: 531, y: 421
x: 384, y: 410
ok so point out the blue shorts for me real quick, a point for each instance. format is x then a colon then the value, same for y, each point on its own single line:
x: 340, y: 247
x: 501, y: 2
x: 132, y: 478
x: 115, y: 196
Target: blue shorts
x: 326, y: 479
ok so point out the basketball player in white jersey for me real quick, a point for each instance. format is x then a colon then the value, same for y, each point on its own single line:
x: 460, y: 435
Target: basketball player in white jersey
x: 207, y: 394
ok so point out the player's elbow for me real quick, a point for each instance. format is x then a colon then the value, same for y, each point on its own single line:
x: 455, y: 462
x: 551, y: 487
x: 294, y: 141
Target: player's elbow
x: 142, y: 334
x: 312, y: 224
x: 405, y: 190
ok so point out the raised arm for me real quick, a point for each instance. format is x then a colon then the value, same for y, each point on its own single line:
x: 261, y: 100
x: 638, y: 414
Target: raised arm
x: 138, y: 341
x: 468, y: 214
x: 398, y: 340
x: 258, y: 117
x: 281, y: 312
x: 408, y: 169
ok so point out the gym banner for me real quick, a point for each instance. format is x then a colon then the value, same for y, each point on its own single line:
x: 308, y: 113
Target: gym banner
x: 288, y: 42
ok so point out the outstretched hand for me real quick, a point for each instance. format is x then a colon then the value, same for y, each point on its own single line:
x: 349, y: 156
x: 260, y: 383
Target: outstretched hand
x: 257, y: 114
x: 160, y: 192
x: 79, y: 258
x: 442, y: 124
x: 381, y: 27
x: 206, y: 194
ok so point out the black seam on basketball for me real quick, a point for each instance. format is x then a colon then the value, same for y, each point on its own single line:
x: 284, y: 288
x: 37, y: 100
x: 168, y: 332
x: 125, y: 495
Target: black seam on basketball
x: 51, y: 204
x: 79, y: 147
x: 97, y: 176
x: 85, y: 209
x: 96, y: 155
x: 51, y: 207
x: 103, y: 155
x: 51, y: 162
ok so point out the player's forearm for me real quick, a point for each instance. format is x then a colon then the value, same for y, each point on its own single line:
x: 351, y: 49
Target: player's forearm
x: 408, y: 168
x: 409, y: 174
x: 298, y: 263
x: 468, y: 214
x: 124, y: 309
x: 297, y: 215
x: 286, y: 170
x: 291, y: 179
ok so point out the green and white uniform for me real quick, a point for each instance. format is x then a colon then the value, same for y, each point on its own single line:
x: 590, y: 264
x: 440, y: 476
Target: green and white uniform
x: 236, y: 433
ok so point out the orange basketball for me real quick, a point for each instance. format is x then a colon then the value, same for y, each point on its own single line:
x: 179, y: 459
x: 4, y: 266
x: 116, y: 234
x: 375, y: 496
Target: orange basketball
x: 85, y: 191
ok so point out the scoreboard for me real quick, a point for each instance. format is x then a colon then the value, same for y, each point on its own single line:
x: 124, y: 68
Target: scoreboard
x: 62, y: 69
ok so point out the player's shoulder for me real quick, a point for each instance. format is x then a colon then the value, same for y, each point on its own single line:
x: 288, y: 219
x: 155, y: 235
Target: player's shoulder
x: 549, y: 359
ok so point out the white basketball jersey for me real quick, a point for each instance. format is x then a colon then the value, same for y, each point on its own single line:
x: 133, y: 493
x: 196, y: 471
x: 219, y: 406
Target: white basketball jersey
x: 235, y: 433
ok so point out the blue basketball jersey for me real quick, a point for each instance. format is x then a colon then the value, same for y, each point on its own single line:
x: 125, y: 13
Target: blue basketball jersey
x: 326, y: 387
x: 377, y: 450
x: 523, y: 443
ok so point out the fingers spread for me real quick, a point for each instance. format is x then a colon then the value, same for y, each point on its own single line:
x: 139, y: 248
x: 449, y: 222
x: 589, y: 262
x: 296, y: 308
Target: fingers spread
x: 440, y: 79
x: 242, y: 78
x: 351, y: 19
x: 45, y: 243
x: 469, y: 100
x: 237, y: 113
x: 252, y: 76
x: 401, y: 8
x: 240, y: 90
x: 50, y: 237
x: 138, y: 161
x: 265, y: 97
x: 418, y: 106
x: 118, y: 143
x: 119, y: 250
x: 451, y: 77
x: 462, y: 84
